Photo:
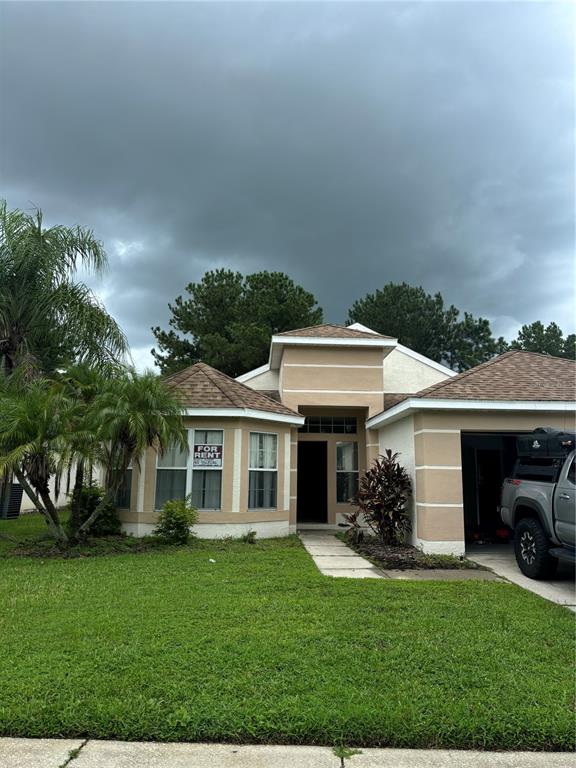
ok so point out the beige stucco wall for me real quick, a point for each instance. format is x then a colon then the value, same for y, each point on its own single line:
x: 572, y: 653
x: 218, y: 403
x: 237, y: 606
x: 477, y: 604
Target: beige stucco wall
x: 234, y: 506
x: 438, y: 466
x: 339, y: 377
x: 267, y: 380
x: 403, y: 373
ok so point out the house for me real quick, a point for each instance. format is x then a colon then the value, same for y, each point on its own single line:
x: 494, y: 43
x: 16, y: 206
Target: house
x: 283, y: 446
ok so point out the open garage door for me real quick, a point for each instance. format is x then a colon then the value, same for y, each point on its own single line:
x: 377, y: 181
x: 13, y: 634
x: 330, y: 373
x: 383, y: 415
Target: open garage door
x: 487, y: 458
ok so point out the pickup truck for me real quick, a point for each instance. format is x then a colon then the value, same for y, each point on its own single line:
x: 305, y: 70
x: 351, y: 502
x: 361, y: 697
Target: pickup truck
x: 539, y: 502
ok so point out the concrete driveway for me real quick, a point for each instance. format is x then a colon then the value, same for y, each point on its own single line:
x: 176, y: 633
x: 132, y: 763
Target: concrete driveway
x: 500, y: 559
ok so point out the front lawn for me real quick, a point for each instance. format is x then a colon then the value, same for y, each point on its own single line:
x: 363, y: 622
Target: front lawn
x: 260, y: 647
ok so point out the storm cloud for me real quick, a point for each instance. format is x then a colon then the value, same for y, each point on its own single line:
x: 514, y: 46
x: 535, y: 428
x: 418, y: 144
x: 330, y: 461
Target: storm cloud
x: 346, y: 144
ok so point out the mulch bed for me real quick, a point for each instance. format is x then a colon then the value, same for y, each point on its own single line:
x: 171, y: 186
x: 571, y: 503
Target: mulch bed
x: 404, y: 557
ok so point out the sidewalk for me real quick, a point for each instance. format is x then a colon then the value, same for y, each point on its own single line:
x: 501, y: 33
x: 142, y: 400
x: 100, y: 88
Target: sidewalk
x: 77, y: 753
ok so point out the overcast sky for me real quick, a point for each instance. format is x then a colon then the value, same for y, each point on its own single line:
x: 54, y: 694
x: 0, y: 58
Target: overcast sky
x: 346, y: 144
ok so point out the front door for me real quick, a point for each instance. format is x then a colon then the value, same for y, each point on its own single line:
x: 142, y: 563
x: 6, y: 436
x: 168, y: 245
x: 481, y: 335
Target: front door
x: 312, y: 488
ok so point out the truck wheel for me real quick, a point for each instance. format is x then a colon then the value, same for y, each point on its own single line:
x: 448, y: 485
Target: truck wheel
x: 531, y: 547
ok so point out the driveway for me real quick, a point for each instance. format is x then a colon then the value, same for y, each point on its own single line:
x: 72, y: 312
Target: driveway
x: 500, y: 559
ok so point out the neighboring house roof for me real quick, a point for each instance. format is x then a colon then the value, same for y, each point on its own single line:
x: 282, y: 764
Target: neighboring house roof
x: 332, y: 331
x: 514, y: 380
x: 203, y: 388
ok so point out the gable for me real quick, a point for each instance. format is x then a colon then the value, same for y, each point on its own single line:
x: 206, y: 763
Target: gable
x: 407, y: 371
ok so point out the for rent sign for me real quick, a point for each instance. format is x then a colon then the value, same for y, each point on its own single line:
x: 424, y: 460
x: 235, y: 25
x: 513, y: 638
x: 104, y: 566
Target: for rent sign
x: 207, y: 455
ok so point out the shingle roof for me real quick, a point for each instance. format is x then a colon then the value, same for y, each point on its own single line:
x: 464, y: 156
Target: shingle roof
x: 332, y: 331
x: 515, y: 375
x: 201, y: 386
x: 393, y: 398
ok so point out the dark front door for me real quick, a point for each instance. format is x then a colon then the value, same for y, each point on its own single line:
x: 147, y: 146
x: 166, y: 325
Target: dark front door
x: 312, y: 486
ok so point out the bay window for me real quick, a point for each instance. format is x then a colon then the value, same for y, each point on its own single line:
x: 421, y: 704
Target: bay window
x: 262, y: 470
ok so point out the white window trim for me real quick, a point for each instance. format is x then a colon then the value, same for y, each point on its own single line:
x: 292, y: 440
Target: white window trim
x: 263, y: 469
x: 192, y: 468
x: 347, y: 471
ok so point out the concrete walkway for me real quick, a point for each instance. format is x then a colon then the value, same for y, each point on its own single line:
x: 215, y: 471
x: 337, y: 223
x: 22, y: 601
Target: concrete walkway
x: 500, y: 559
x: 334, y: 558
x: 77, y: 753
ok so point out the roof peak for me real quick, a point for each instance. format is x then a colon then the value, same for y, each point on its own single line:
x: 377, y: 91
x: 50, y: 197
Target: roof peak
x: 333, y: 330
x: 203, y: 386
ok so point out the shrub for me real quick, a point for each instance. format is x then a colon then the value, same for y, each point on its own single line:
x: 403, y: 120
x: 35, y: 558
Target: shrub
x: 175, y: 521
x: 85, y: 502
x: 355, y: 531
x: 382, y: 498
x: 249, y: 537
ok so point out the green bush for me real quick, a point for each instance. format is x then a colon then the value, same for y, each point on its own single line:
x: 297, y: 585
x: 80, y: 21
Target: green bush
x: 382, y: 498
x: 175, y: 521
x: 84, y: 503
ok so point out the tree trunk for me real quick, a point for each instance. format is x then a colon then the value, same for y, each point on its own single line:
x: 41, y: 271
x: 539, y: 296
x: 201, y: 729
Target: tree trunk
x: 53, y: 513
x: 109, y: 496
x: 76, y: 501
x: 53, y: 523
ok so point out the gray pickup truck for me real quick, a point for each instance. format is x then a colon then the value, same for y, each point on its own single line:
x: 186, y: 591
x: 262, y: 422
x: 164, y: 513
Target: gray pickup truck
x: 539, y: 501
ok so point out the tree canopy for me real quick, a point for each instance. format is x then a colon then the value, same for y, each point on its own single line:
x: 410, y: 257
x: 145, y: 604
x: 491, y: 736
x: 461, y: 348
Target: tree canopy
x: 549, y: 340
x: 48, y: 319
x: 422, y: 322
x: 227, y: 320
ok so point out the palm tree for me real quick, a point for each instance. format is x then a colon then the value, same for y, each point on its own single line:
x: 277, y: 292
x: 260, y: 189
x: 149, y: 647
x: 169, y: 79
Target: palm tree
x: 44, y: 427
x: 46, y: 318
x: 82, y: 383
x: 131, y: 413
x: 36, y: 431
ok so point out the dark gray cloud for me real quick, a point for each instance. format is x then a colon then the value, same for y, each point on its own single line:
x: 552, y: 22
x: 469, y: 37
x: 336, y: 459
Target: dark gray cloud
x: 346, y: 144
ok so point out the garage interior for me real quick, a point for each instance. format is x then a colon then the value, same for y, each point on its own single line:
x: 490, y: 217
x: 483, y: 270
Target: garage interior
x: 487, y: 458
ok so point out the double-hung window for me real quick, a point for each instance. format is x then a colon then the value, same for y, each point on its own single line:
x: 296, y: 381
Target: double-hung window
x: 346, y: 471
x: 171, y: 473
x: 124, y: 493
x: 207, y: 469
x: 262, y: 470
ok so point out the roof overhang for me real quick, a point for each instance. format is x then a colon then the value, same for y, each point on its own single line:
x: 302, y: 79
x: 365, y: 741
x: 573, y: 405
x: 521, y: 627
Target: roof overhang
x: 244, y: 413
x: 255, y: 372
x: 415, y: 404
x: 279, y: 342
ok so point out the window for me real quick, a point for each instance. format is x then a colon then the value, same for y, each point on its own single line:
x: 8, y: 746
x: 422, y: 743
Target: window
x: 346, y: 471
x: 124, y: 493
x: 572, y: 472
x: 338, y: 425
x: 541, y: 469
x: 171, y: 474
x: 207, y: 469
x: 262, y: 474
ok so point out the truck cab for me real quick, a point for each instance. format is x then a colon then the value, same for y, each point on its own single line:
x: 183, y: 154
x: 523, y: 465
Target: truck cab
x: 539, y: 501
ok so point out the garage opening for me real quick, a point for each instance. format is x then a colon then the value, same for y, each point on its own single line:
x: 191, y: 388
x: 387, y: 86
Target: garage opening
x: 487, y: 458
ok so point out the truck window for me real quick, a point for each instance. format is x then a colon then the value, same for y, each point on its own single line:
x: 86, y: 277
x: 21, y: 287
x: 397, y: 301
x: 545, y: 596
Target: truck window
x: 542, y: 470
x: 571, y: 476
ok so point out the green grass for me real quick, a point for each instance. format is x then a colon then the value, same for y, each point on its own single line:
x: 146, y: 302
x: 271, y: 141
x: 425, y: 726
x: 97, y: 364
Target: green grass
x: 260, y: 647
